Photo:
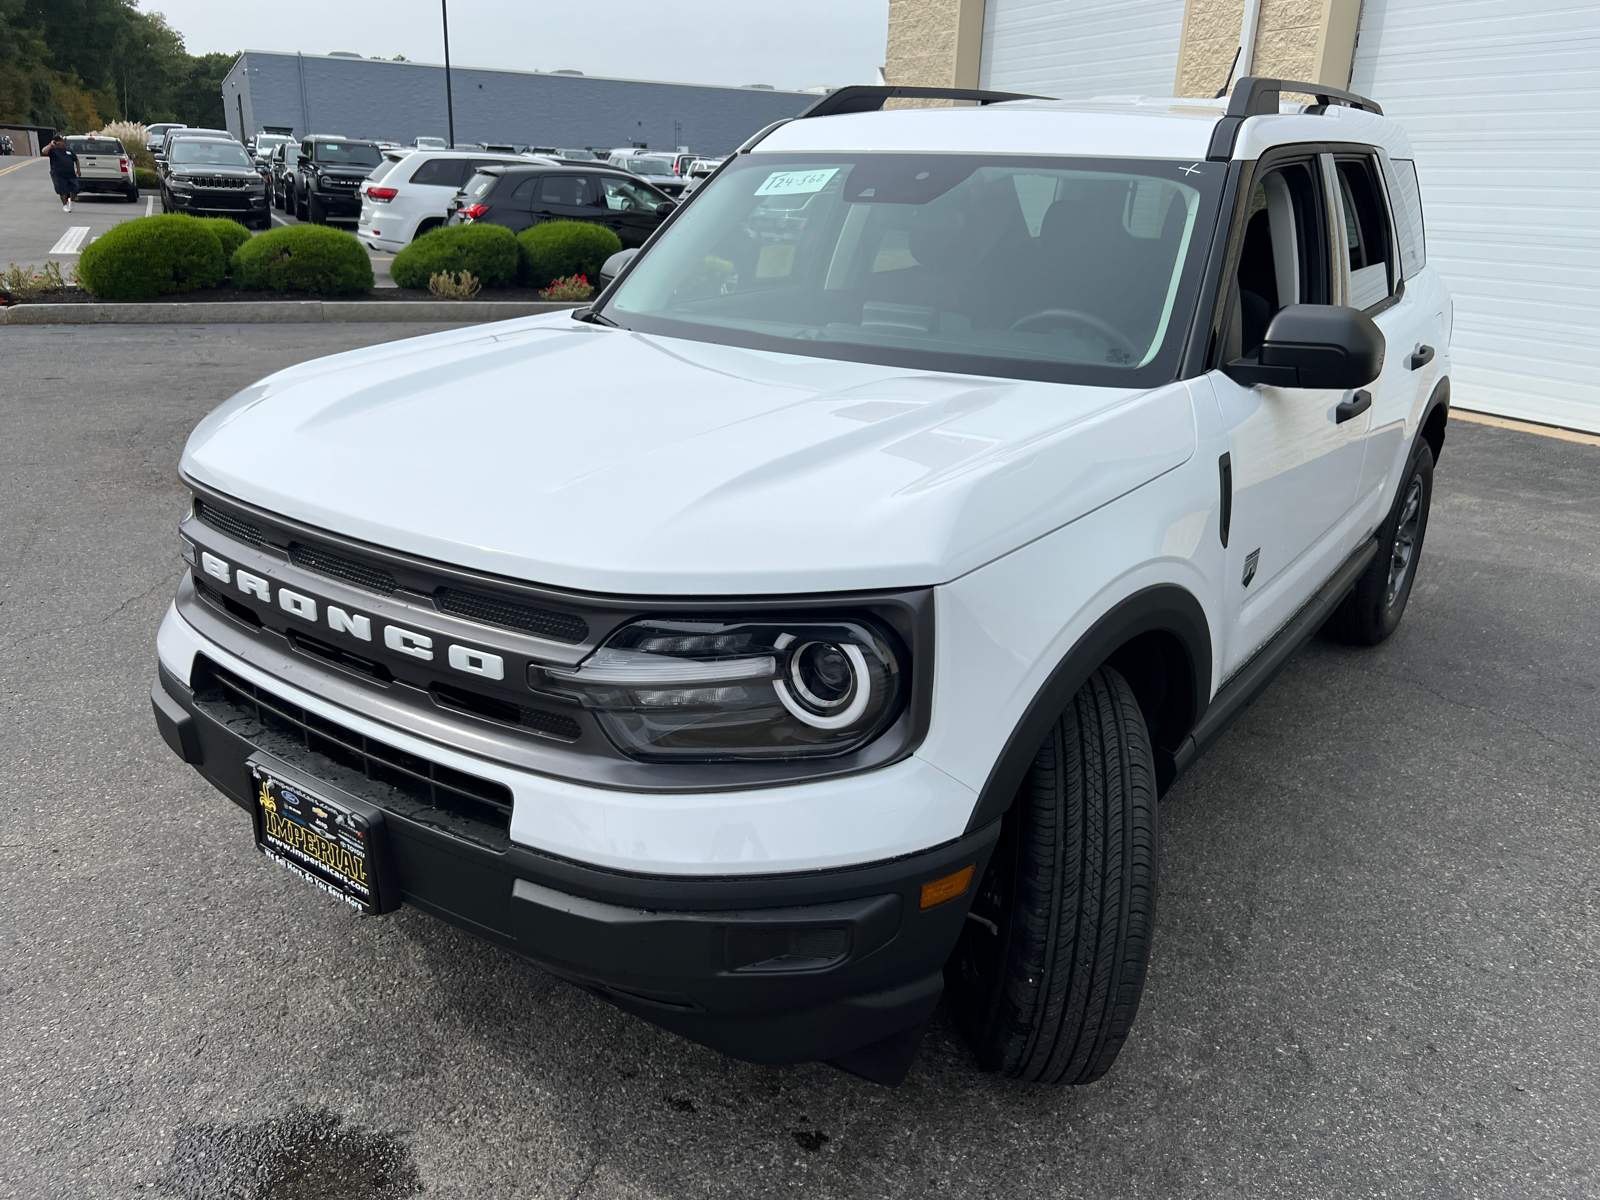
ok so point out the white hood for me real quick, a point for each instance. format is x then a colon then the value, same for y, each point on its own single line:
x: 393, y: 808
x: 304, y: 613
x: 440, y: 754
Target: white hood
x: 597, y: 459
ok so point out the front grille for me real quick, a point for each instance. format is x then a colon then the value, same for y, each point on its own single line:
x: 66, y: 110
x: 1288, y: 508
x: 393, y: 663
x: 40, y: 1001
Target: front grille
x: 223, y: 520
x: 219, y: 181
x: 418, y: 785
x: 505, y: 711
x: 340, y: 566
x: 376, y: 576
x: 491, y: 610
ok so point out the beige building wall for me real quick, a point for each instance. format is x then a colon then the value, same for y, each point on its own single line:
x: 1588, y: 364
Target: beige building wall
x: 934, y: 43
x: 1313, y: 40
x: 937, y: 43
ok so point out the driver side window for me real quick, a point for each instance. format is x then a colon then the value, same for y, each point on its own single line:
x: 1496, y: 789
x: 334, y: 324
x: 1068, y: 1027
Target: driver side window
x: 1283, y: 257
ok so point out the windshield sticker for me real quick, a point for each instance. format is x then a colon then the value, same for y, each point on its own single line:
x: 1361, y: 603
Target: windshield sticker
x: 796, y: 183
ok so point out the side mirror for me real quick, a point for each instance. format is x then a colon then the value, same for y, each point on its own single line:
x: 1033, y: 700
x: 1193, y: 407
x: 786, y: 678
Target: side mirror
x: 664, y: 209
x: 612, y: 267
x: 1314, y: 346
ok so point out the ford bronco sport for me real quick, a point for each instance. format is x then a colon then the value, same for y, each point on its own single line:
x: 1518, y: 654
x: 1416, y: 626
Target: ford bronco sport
x: 993, y: 459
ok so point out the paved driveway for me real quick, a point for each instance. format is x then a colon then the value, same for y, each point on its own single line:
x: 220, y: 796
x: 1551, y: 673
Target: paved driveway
x: 1377, y: 961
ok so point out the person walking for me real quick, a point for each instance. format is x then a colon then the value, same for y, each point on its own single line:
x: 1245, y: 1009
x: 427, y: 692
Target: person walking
x: 64, y: 171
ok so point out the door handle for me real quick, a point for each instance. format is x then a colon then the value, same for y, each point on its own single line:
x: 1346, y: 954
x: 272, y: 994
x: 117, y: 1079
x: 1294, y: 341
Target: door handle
x: 1353, y: 407
x: 1420, y: 357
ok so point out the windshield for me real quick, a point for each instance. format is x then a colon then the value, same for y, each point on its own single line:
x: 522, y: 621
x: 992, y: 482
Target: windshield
x: 353, y: 154
x: 94, y: 145
x: 649, y: 166
x: 1071, y: 269
x: 210, y: 154
x: 426, y: 143
x: 267, y: 141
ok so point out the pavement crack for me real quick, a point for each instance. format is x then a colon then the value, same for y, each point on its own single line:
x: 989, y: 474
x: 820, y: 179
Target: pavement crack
x: 102, y: 620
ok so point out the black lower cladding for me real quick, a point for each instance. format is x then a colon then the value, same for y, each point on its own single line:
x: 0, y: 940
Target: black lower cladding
x: 774, y: 969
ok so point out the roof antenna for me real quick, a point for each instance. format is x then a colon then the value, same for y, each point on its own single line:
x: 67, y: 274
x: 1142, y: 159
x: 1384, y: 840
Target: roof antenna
x: 1223, y: 90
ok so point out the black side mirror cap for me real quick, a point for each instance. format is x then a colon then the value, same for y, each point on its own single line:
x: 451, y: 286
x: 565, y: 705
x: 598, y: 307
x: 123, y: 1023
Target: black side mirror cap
x: 664, y: 209
x: 612, y: 267
x: 1314, y: 346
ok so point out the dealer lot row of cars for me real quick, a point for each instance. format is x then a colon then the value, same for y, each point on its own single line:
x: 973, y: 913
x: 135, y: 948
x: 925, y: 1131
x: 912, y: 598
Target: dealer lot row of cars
x: 395, y: 194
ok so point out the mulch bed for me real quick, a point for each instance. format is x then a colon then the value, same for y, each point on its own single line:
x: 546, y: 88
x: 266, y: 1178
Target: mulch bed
x: 233, y: 295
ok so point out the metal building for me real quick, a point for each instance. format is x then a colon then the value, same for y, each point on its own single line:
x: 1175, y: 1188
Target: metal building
x: 397, y: 101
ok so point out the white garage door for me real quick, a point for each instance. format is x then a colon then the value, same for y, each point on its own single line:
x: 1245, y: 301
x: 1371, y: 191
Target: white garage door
x: 1502, y: 102
x: 1080, y: 48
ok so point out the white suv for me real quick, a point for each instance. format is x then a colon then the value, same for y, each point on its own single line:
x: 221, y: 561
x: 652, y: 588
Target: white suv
x: 993, y: 460
x: 408, y: 194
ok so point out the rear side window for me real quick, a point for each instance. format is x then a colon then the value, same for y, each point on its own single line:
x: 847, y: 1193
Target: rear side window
x: 1366, y: 229
x: 1408, y: 215
x: 523, y: 193
x: 442, y: 172
x: 571, y: 191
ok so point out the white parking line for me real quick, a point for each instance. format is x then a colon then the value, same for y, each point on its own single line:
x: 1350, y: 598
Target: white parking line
x: 279, y: 219
x: 149, y: 205
x: 70, y: 240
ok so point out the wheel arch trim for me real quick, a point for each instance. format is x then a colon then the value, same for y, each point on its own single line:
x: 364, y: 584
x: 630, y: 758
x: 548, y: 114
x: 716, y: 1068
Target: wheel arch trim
x: 1162, y: 608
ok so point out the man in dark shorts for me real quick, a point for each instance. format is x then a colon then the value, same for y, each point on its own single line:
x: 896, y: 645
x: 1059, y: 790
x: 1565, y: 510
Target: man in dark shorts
x: 63, y: 171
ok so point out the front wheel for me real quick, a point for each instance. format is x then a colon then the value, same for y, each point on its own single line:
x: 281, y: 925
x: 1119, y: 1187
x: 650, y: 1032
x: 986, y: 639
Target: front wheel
x: 1050, y: 966
x: 1372, y: 610
x: 316, y: 211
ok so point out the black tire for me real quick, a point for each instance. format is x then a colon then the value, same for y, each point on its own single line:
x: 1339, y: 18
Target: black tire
x: 133, y: 195
x: 300, y: 213
x: 316, y: 211
x: 1372, y: 610
x: 1050, y: 966
x: 427, y: 226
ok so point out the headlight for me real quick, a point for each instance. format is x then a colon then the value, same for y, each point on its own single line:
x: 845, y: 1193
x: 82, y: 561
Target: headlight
x: 178, y: 185
x: 676, y: 690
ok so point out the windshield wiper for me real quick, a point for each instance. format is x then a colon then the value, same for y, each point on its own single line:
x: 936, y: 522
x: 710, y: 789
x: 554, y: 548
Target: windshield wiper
x: 591, y: 317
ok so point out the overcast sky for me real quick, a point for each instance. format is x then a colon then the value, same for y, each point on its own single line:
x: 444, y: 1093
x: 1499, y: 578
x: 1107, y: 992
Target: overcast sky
x: 786, y: 43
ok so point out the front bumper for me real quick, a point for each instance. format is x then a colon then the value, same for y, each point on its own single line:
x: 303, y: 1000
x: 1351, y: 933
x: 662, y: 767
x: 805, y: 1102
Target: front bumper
x: 339, y: 204
x: 827, y: 965
x: 222, y: 204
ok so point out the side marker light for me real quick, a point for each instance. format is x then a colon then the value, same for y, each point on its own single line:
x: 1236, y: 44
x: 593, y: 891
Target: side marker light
x: 948, y: 888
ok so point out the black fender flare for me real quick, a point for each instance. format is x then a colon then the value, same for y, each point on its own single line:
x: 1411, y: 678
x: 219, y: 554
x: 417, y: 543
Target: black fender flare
x: 1163, y: 608
x: 1438, y: 400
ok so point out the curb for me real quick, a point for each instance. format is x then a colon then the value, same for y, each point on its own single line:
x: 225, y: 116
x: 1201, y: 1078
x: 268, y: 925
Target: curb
x: 278, y: 312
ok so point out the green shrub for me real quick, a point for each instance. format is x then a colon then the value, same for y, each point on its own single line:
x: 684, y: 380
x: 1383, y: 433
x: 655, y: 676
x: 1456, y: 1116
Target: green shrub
x: 147, y: 178
x: 229, y: 232
x: 152, y: 256
x: 303, y: 258
x: 486, y: 252
x: 562, y: 249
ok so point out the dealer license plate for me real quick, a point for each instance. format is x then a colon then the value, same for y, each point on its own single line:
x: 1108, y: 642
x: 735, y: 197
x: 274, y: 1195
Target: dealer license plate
x: 325, y: 843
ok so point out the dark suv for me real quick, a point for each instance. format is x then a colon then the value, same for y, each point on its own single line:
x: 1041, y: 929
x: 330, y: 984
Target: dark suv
x: 213, y: 177
x: 326, y: 182
x: 518, y: 197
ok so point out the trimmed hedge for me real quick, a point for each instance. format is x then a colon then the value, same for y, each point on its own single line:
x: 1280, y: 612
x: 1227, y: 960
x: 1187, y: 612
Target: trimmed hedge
x: 562, y: 249
x: 152, y: 256
x: 146, y: 178
x: 229, y: 232
x: 487, y: 252
x: 303, y: 258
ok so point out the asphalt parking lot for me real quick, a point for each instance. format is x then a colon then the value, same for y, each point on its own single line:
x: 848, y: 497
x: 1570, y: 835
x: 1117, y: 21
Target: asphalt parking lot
x: 1376, y: 967
x: 32, y: 224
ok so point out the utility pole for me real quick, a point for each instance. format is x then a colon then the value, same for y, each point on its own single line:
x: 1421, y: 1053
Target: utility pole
x: 449, y: 103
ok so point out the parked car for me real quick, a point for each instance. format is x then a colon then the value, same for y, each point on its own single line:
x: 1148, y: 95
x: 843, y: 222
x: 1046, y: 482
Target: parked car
x: 518, y: 197
x: 406, y: 198
x: 656, y: 169
x: 428, y: 143
x: 213, y: 177
x: 189, y: 131
x: 328, y: 176
x: 280, y: 175
x: 104, y: 166
x: 156, y: 134
x: 265, y: 144
x: 698, y: 171
x: 841, y: 667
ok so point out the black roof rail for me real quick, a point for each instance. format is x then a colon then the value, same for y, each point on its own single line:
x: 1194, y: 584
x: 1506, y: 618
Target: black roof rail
x: 1255, y: 97
x: 859, y: 98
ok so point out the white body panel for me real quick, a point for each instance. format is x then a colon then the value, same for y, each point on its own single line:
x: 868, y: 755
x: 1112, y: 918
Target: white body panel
x: 1502, y: 100
x: 735, y: 472
x: 1072, y: 48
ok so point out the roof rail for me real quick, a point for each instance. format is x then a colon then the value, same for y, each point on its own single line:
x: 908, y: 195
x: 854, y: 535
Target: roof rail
x: 1255, y: 97
x: 859, y: 98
